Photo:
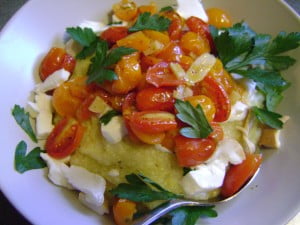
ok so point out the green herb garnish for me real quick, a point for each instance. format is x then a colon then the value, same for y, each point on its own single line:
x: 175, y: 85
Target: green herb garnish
x: 98, y: 69
x: 256, y: 56
x: 195, y: 117
x: 166, y: 9
x: 142, y: 189
x: 271, y: 119
x: 108, y: 116
x: 30, y: 161
x: 22, y: 118
x: 146, y: 21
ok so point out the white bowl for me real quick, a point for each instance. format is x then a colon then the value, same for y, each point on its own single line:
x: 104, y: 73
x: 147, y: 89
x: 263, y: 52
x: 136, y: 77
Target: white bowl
x: 273, y: 198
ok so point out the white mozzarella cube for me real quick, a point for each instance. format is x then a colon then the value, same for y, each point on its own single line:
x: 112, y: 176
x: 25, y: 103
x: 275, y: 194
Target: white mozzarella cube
x: 205, y: 178
x: 44, y: 118
x: 91, y: 185
x: 191, y: 8
x: 53, y: 81
x: 239, y: 111
x: 115, y: 130
x: 56, y: 170
x: 98, y: 208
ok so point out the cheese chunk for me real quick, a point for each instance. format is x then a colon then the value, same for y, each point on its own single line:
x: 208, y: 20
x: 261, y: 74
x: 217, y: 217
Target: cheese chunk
x: 99, y: 106
x: 238, y: 111
x: 53, y: 81
x: 56, y: 171
x: 205, y: 178
x: 91, y: 186
x: 115, y: 130
x: 191, y: 8
x: 44, y: 118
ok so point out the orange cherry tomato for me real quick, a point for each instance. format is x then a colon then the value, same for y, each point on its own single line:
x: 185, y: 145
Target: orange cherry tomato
x: 113, y: 34
x: 153, y: 122
x: 64, y: 138
x: 218, y: 18
x: 175, y: 29
x: 69, y: 95
x: 160, y: 75
x: 206, y: 104
x: 56, y: 59
x: 129, y: 105
x: 125, y: 10
x: 198, y: 26
x: 211, y: 88
x: 171, y: 53
x: 83, y: 113
x: 148, y: 8
x: 192, y: 42
x: 237, y: 175
x: 147, y: 138
x: 148, y: 61
x: 217, y: 134
x: 155, y: 99
x: 123, y: 211
x: 193, y: 151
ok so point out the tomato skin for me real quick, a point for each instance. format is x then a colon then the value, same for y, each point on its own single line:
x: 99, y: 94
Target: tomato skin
x: 237, y: 175
x: 125, y: 10
x: 147, y: 138
x: 197, y: 25
x: 193, y: 151
x: 129, y: 105
x: 64, y: 139
x: 217, y: 134
x: 212, y: 89
x: 56, y: 59
x: 218, y: 18
x: 113, y: 34
x: 153, y: 122
x: 123, y: 211
x: 206, y: 104
x: 83, y: 113
x: 175, y: 29
x: 171, y: 53
x: 160, y: 75
x: 155, y: 99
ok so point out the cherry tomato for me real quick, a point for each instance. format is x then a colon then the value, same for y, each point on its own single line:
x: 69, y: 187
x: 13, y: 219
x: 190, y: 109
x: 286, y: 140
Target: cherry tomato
x: 160, y: 75
x: 211, y: 88
x: 148, y: 138
x: 129, y: 105
x: 83, y: 113
x: 193, y: 151
x: 113, y: 34
x: 155, y: 99
x: 153, y: 122
x: 218, y: 18
x: 217, y: 134
x: 175, y: 29
x: 148, y: 61
x: 197, y: 25
x: 192, y: 42
x: 125, y: 10
x: 123, y: 211
x: 237, y: 175
x: 56, y: 59
x: 148, y: 8
x: 171, y: 53
x: 64, y: 139
x: 206, y: 104
x: 69, y: 95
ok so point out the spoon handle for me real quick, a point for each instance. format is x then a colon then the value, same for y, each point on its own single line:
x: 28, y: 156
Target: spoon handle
x: 164, y: 209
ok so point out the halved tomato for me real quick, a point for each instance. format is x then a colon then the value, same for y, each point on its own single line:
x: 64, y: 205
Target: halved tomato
x: 113, y: 34
x: 212, y: 89
x: 160, y: 75
x: 217, y: 134
x: 153, y: 122
x: 237, y: 175
x: 155, y: 99
x: 64, y: 138
x: 147, y: 138
x: 193, y: 151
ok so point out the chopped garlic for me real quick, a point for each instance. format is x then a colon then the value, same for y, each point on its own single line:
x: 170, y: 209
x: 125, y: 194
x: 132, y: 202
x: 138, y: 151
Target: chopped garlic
x: 182, y: 92
x: 177, y: 70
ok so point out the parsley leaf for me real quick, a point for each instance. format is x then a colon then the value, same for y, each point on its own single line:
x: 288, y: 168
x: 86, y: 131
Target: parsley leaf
x: 30, y: 161
x: 116, y: 54
x: 166, y: 9
x: 84, y: 36
x: 142, y: 189
x: 269, y: 118
x: 146, y: 21
x: 194, y: 117
x: 108, y: 116
x: 22, y: 118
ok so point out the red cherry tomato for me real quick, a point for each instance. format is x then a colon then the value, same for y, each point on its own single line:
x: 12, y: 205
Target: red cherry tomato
x: 193, y: 151
x: 113, y: 34
x: 197, y: 25
x: 83, y: 113
x: 217, y: 134
x: 153, y: 122
x: 147, y: 138
x: 155, y: 99
x: 160, y: 75
x: 129, y: 105
x: 211, y: 88
x: 64, y: 139
x: 175, y: 29
x: 56, y: 59
x: 237, y: 175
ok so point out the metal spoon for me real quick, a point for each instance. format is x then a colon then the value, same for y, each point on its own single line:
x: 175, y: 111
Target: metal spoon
x: 176, y: 203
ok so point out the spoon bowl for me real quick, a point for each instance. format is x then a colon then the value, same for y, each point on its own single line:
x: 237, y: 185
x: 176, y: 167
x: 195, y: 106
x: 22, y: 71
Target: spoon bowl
x: 173, y: 204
